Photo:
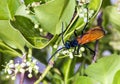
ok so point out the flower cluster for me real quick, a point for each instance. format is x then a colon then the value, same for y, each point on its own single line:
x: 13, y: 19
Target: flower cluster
x: 83, y: 11
x: 70, y: 52
x: 83, y: 2
x: 31, y: 6
x: 12, y: 69
x: 34, y: 4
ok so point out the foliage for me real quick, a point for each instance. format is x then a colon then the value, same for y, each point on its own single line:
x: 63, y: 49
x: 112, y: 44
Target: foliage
x: 31, y: 30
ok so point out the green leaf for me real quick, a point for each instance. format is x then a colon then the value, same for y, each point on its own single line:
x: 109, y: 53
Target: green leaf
x: 117, y: 78
x: 26, y: 27
x: 57, y: 79
x: 10, y: 36
x: 51, y: 14
x: 105, y: 69
x: 106, y: 3
x: 21, y: 11
x: 115, y: 39
x: 85, y: 80
x: 8, y: 50
x: 68, y: 69
x: 111, y: 14
x: 95, y: 5
x: 111, y: 17
x: 8, y: 8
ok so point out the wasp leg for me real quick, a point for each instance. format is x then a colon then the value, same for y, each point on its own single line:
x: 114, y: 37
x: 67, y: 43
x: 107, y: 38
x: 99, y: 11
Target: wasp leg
x: 94, y: 53
x: 74, y: 51
x: 89, y: 49
x: 78, y: 49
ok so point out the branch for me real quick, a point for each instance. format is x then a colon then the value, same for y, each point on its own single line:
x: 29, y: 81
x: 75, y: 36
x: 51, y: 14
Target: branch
x: 50, y: 65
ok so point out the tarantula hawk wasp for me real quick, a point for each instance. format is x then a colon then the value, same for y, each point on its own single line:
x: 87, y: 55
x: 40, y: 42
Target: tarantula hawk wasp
x: 91, y: 35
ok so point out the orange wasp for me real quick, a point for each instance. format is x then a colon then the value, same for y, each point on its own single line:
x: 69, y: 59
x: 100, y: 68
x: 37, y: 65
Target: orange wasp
x: 91, y: 35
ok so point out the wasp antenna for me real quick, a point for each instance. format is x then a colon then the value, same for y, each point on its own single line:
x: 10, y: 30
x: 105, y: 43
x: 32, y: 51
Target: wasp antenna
x: 55, y: 53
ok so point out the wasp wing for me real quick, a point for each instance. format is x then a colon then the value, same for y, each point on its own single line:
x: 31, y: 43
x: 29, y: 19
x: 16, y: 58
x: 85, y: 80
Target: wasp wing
x: 91, y: 35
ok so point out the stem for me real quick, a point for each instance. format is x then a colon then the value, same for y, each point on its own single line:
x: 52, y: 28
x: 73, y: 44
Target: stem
x: 96, y: 52
x: 44, y: 73
x: 23, y: 73
x: 66, y: 77
x: 22, y: 78
x: 82, y: 68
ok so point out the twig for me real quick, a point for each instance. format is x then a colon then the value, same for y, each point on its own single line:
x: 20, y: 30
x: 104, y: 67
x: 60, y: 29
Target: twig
x: 50, y: 65
x: 23, y: 73
x: 96, y: 52
x: 22, y: 77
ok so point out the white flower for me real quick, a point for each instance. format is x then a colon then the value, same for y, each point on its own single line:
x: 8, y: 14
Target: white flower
x: 34, y: 4
x: 16, y: 70
x: 87, y: 1
x: 23, y: 65
x: 81, y: 15
x: 28, y: 11
x: 41, y: 30
x: 85, y: 10
x: 11, y: 61
x: 7, y: 76
x: 30, y: 75
x: 17, y: 64
x: 13, y: 78
x: 30, y: 69
x: 85, y: 19
x: 11, y: 66
x: 22, y: 70
x: 82, y: 12
x: 29, y: 56
x: 36, y: 67
x: 36, y: 26
x: 9, y: 71
x: 34, y: 61
x: 36, y: 71
x: 82, y: 49
x: 91, y: 12
x: 80, y: 55
x: 65, y: 52
x: 28, y: 63
x: 82, y: 2
x: 55, y: 46
x: 71, y: 55
x: 24, y: 60
x: 57, y: 54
